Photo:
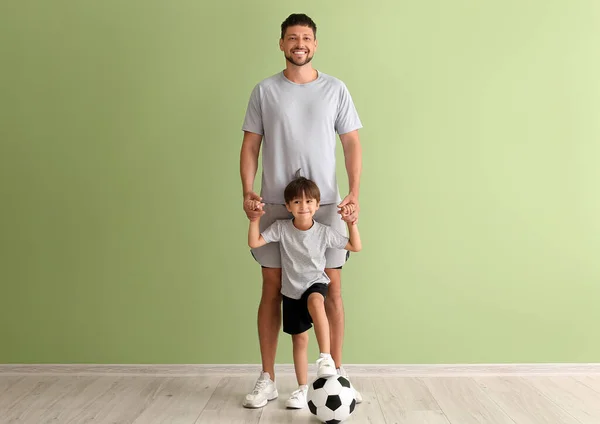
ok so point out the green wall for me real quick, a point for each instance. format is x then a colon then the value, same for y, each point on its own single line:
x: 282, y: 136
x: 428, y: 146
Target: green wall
x: 122, y: 234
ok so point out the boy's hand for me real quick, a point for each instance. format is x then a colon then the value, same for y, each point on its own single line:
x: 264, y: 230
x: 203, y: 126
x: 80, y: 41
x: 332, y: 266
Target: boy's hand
x: 253, y: 206
x: 349, y: 209
x: 346, y: 211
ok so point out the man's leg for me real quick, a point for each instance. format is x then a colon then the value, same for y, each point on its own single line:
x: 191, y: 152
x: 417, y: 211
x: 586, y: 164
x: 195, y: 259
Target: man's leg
x: 269, y: 318
x: 335, y: 313
x: 269, y: 322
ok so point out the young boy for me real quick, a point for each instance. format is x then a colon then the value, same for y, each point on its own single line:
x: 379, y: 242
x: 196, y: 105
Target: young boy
x: 302, y: 243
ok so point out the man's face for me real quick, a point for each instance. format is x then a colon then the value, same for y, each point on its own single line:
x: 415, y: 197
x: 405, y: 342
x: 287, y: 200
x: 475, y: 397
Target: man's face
x: 298, y: 44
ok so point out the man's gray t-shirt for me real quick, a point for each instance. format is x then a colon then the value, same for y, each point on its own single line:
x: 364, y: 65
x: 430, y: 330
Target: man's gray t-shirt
x: 302, y: 254
x: 298, y: 123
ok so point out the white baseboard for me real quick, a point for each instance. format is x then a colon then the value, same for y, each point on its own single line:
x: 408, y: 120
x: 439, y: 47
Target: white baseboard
x: 382, y: 370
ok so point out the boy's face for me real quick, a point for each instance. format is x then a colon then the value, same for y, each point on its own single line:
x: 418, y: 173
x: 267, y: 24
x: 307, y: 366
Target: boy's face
x: 303, y: 208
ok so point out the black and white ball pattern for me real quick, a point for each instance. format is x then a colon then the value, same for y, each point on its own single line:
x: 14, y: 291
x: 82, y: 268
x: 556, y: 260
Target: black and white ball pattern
x: 331, y: 399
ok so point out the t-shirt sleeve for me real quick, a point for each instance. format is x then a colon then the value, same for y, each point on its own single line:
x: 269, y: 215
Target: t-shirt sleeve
x: 273, y: 232
x: 347, y: 117
x: 253, y: 120
x: 336, y: 240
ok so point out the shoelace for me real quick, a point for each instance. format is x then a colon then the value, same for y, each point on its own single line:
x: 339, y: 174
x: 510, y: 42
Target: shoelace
x: 320, y: 360
x: 296, y: 394
x: 260, y: 384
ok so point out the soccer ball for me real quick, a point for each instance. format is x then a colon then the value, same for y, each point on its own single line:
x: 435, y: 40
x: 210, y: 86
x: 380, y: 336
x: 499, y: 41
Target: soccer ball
x: 331, y: 399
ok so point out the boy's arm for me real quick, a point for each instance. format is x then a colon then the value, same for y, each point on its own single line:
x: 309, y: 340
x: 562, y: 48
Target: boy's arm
x: 354, y: 244
x: 255, y: 239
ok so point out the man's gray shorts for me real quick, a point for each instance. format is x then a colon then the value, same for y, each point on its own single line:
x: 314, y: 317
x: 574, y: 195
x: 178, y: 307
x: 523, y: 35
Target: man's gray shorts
x: 269, y: 256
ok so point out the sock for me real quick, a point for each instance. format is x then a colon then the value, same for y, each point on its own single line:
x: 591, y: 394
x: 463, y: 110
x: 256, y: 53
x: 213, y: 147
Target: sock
x: 325, y: 355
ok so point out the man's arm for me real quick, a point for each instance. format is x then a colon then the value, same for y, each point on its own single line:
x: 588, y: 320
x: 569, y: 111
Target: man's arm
x: 248, y: 166
x: 353, y: 158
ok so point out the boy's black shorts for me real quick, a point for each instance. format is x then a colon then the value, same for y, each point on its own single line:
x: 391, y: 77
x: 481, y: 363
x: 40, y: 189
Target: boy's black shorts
x: 296, y: 318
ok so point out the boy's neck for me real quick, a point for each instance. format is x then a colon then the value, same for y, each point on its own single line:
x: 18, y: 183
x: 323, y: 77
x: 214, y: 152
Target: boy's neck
x: 303, y: 226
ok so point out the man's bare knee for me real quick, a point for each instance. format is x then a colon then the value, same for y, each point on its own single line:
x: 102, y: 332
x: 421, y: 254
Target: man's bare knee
x: 271, y: 288
x: 333, y: 302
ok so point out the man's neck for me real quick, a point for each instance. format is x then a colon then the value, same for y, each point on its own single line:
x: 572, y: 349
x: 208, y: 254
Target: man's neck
x: 300, y: 74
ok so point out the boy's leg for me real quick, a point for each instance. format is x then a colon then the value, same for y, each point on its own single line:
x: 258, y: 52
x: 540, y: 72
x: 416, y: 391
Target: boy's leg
x: 296, y: 322
x: 316, y: 308
x: 315, y: 305
x: 300, y: 348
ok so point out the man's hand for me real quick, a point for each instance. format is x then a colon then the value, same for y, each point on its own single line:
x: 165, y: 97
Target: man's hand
x: 349, y: 208
x: 253, y: 206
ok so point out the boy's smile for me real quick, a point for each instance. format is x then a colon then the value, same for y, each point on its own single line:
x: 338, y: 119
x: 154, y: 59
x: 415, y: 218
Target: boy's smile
x: 303, y: 209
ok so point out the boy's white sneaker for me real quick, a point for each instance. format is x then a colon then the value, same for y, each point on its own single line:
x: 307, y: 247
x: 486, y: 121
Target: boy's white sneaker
x: 264, y: 391
x: 325, y: 366
x: 357, y: 395
x: 297, y: 399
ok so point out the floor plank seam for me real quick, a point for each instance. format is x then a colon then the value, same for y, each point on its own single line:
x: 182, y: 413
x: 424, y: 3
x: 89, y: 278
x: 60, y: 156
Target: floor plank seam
x: 504, y: 411
x: 586, y: 385
x: 548, y: 398
x: 379, y: 403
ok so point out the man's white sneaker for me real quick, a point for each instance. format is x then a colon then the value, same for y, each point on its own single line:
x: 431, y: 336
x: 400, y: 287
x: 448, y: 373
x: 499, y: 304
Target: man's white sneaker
x: 264, y: 391
x: 297, y: 399
x: 325, y: 366
x: 357, y: 395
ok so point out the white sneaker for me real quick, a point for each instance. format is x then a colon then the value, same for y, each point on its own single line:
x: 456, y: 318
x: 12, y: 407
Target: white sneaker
x: 264, y: 391
x: 357, y: 395
x: 297, y: 399
x: 325, y: 366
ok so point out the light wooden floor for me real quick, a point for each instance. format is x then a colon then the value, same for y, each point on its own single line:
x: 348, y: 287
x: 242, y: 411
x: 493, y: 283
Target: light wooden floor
x: 139, y: 399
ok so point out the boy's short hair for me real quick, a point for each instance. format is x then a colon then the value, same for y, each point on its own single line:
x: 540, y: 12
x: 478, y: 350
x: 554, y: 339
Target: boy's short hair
x: 301, y: 186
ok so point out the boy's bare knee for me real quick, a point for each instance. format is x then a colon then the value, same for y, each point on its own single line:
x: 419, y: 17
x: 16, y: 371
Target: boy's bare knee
x: 300, y: 340
x: 315, y: 299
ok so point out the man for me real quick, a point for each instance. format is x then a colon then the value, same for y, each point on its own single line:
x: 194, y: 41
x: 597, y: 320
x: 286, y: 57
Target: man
x: 295, y: 115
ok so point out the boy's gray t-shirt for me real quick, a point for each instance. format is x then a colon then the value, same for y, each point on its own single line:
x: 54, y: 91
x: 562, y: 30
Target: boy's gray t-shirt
x: 302, y: 254
x: 298, y: 123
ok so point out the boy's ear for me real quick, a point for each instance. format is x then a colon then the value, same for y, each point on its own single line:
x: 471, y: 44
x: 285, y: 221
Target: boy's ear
x: 287, y: 206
